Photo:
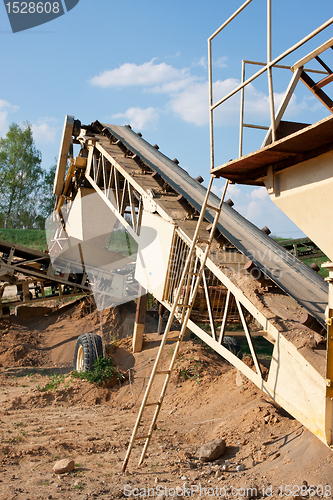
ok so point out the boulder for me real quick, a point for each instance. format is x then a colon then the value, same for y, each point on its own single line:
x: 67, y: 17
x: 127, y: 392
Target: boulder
x: 213, y: 450
x: 62, y: 466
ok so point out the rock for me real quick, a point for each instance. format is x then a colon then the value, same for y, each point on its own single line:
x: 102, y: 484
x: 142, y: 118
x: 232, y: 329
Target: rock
x: 62, y: 466
x: 239, y: 378
x: 225, y: 467
x: 213, y: 450
x: 240, y: 467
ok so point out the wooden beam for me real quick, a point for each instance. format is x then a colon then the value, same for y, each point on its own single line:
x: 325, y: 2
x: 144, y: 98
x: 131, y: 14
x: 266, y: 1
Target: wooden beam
x: 140, y: 319
x: 308, y: 82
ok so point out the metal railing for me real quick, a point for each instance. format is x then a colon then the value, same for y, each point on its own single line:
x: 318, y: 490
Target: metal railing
x: 274, y: 118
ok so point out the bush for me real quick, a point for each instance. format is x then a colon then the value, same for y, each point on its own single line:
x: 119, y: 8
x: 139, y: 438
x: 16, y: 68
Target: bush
x: 103, y: 371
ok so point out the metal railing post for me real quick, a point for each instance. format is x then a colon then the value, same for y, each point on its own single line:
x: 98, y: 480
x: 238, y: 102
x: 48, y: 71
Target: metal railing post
x: 269, y: 68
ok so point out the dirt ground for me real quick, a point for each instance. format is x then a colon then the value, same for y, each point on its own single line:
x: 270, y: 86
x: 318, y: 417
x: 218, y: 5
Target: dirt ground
x: 46, y: 415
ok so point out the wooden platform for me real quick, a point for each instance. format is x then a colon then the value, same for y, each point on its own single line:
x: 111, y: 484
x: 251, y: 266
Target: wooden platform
x: 299, y: 146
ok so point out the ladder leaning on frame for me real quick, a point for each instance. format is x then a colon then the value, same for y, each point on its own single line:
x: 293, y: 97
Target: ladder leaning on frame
x: 191, y: 279
x: 188, y: 287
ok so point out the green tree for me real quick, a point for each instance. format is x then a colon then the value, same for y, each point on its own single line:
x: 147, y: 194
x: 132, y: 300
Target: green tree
x: 47, y: 197
x: 21, y: 177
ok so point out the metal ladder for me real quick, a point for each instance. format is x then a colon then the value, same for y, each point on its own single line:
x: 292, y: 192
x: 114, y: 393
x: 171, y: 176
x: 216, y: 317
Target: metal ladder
x: 191, y: 278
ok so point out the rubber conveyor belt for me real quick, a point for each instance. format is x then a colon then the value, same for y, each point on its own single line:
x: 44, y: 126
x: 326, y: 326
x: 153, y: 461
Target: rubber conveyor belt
x: 298, y: 280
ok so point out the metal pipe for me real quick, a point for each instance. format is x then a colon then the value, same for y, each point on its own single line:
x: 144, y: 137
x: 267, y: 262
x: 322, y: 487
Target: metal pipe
x: 235, y: 14
x: 262, y: 127
x: 211, y: 115
x: 210, y: 79
x: 281, y: 66
x: 241, y: 124
x: 269, y: 70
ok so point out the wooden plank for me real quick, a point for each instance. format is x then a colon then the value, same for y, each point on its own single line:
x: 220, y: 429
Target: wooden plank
x: 325, y: 81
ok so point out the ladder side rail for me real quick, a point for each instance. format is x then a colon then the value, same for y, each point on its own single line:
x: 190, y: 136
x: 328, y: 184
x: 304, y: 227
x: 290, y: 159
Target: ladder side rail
x: 172, y: 314
x: 181, y: 335
x: 166, y: 332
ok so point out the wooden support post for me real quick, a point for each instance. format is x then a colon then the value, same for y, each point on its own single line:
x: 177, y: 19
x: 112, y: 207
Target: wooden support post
x: 161, y: 311
x: 140, y: 318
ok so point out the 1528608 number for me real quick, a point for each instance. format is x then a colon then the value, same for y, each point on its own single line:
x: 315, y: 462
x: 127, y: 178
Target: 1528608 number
x: 305, y: 490
x: 33, y: 7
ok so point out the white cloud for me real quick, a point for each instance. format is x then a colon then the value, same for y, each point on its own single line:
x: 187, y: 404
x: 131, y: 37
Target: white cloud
x: 174, y: 86
x: 191, y: 104
x: 200, y: 62
x: 221, y: 62
x: 233, y: 190
x: 187, y: 94
x: 44, y: 130
x: 257, y: 105
x: 139, y: 118
x: 259, y: 194
x: 5, y: 109
x: 254, y: 210
x: 254, y: 204
x: 146, y: 74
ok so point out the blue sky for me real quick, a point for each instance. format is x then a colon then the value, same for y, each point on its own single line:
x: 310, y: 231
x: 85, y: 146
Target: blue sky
x: 145, y: 63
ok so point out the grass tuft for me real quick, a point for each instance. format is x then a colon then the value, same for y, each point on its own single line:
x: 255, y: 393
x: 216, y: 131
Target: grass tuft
x: 103, y: 371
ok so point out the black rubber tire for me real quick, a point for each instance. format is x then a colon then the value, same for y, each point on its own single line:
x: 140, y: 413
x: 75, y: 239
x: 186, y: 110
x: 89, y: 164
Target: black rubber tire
x: 233, y: 345
x: 85, y: 353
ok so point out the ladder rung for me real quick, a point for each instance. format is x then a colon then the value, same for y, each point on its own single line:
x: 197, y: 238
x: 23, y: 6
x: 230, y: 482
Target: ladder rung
x: 193, y: 274
x: 142, y: 437
x: 202, y: 240
x: 153, y: 404
x: 161, y: 372
x: 213, y: 208
x: 183, y: 305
